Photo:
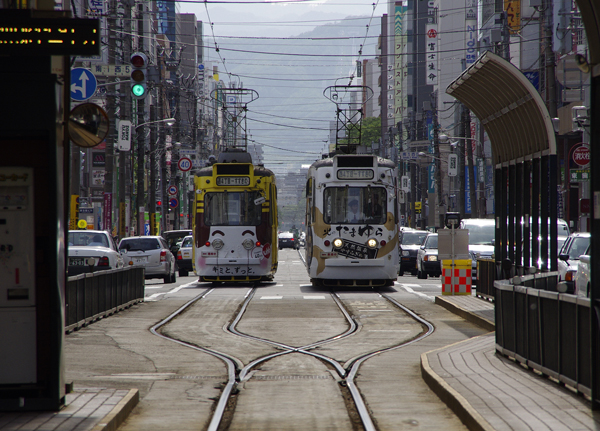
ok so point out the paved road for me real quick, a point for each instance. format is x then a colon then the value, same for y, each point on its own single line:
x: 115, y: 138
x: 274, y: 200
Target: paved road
x: 178, y: 386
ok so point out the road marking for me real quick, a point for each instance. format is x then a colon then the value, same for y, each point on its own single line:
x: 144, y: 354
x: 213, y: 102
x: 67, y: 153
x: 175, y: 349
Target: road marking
x: 313, y: 297
x: 410, y: 290
x: 153, y: 297
x: 364, y: 311
x: 271, y: 297
x: 388, y: 330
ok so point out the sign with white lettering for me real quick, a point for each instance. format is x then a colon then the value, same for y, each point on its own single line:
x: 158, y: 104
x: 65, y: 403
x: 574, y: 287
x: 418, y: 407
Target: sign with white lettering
x: 355, y: 174
x: 124, y: 143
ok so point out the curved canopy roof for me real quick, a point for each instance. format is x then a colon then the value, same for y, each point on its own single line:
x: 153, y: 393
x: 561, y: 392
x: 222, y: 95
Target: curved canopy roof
x: 508, y: 105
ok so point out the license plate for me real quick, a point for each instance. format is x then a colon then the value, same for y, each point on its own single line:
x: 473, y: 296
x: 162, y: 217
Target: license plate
x: 356, y: 250
x: 77, y: 261
x: 142, y: 259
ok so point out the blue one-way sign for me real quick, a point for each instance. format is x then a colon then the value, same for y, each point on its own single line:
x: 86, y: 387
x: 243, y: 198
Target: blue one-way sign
x: 83, y: 84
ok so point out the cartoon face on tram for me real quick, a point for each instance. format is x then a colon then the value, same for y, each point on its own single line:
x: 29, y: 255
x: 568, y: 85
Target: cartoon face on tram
x: 352, y: 221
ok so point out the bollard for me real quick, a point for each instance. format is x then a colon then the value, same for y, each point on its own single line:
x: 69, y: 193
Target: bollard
x: 456, y: 276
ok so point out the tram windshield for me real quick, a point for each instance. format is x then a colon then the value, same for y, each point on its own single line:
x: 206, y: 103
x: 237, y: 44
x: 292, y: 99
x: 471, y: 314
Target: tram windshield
x: 232, y: 209
x: 355, y: 205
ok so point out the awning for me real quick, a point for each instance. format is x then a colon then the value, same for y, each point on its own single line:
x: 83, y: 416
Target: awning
x: 509, y: 107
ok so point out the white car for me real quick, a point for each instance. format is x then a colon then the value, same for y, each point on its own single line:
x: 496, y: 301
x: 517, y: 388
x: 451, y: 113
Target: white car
x: 152, y: 253
x: 184, y: 256
x: 568, y: 257
x: 482, y: 235
x: 91, y: 251
x: 427, y: 258
x: 583, y: 278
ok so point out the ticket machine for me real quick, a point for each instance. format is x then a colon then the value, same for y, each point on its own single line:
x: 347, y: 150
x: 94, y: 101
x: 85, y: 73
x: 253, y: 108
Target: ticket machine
x: 17, y: 272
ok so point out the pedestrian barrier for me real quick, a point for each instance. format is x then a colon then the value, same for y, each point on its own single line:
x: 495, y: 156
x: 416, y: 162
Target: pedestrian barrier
x: 89, y: 297
x: 547, y: 331
x: 456, y: 276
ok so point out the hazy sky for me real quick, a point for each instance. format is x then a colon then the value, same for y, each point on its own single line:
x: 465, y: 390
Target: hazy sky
x: 249, y: 28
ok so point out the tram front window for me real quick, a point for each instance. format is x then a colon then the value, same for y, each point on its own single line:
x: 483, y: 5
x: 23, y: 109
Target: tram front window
x: 232, y: 209
x: 355, y: 205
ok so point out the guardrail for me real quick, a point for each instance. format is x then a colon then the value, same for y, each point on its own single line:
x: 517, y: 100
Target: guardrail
x: 89, y: 297
x: 486, y: 275
x: 545, y: 330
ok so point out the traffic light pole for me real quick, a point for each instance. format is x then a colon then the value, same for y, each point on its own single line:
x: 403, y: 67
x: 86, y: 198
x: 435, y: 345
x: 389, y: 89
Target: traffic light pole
x: 139, y: 201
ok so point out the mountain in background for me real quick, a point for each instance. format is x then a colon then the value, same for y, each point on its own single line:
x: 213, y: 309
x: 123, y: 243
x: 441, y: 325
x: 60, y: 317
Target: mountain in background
x: 290, y: 75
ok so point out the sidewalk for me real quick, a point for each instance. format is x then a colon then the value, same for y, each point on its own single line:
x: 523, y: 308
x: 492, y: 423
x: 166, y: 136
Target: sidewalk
x: 490, y: 392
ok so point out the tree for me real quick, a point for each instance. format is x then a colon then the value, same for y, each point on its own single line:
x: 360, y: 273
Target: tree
x: 370, y: 132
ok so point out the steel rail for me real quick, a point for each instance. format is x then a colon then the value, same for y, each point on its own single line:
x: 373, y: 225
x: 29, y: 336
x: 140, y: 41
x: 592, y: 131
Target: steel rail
x: 229, y: 360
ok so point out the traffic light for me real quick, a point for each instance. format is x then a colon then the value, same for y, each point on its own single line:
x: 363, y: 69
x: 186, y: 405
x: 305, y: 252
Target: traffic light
x: 158, y: 206
x: 139, y: 64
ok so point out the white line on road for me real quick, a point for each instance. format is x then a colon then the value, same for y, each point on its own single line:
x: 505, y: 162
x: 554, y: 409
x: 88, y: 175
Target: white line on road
x: 410, y: 290
x: 271, y: 297
x: 313, y: 297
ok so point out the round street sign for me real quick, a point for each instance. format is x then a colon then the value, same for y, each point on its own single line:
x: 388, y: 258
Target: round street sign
x: 173, y: 202
x: 172, y: 190
x: 185, y: 164
x: 83, y: 84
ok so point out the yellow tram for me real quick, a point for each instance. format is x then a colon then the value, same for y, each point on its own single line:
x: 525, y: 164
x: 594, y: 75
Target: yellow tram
x: 235, y: 221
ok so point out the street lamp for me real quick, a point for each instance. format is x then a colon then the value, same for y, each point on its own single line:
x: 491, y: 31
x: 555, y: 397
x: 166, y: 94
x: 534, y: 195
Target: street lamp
x: 169, y: 121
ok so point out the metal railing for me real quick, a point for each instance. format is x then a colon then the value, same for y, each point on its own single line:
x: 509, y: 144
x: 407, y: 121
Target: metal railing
x: 89, y: 297
x: 545, y: 330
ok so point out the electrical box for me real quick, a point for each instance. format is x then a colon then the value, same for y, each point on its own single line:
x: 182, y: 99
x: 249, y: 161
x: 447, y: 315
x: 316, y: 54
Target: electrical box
x: 17, y: 272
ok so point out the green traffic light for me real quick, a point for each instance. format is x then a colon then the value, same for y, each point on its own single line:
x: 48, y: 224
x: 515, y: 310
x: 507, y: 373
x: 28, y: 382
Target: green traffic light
x: 138, y: 90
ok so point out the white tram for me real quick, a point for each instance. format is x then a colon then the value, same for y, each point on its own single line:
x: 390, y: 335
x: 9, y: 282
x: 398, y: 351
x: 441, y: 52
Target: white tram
x: 352, y: 221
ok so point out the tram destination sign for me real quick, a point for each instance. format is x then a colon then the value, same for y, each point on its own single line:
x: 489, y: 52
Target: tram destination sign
x: 233, y: 181
x: 355, y: 174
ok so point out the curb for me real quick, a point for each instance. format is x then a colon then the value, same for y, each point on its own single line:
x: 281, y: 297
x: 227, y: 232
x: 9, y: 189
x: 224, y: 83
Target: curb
x: 119, y: 413
x: 465, y: 314
x: 455, y: 401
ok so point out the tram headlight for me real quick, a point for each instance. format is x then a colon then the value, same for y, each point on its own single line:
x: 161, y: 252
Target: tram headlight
x: 218, y: 244
x: 337, y: 243
x: 248, y: 244
x: 372, y: 243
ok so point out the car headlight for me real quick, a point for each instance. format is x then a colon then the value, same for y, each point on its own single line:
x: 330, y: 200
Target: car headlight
x: 372, y: 243
x: 431, y: 258
x: 337, y: 243
x: 405, y: 253
x: 248, y: 244
x: 218, y: 244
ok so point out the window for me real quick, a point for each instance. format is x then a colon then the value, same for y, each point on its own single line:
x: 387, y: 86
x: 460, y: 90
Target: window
x: 143, y: 244
x: 85, y: 238
x: 355, y: 205
x: 232, y: 209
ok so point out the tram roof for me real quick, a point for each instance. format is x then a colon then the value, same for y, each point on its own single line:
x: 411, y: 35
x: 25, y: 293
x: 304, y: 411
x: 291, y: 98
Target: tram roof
x: 259, y: 171
x: 381, y: 162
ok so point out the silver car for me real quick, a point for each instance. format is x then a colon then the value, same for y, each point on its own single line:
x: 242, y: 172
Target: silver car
x: 152, y: 253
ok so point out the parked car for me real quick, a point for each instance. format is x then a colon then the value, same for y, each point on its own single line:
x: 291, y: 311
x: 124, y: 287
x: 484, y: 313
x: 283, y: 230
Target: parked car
x: 184, y: 256
x: 92, y: 250
x: 286, y: 239
x: 152, y: 253
x: 427, y: 258
x: 583, y: 278
x: 568, y: 257
x: 409, y: 241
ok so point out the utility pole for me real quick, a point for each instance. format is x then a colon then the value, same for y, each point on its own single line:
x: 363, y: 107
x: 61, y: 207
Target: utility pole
x: 140, y: 108
x: 125, y: 114
x: 438, y: 164
x: 110, y: 109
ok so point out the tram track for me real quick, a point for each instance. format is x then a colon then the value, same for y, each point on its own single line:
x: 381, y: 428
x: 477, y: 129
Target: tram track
x: 238, y: 373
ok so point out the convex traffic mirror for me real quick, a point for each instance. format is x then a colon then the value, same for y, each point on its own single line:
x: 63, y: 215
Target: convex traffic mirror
x: 88, y: 125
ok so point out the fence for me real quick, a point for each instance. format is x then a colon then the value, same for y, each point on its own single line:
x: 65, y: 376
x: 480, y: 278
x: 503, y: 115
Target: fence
x: 89, y: 297
x: 545, y: 330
